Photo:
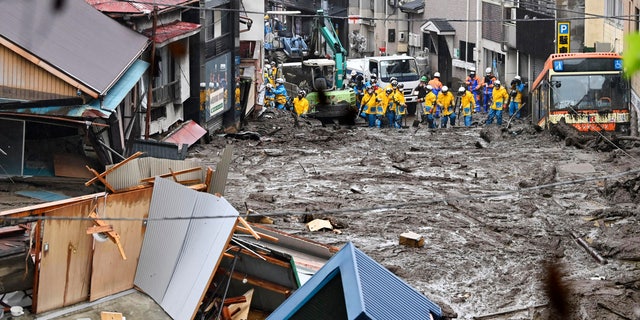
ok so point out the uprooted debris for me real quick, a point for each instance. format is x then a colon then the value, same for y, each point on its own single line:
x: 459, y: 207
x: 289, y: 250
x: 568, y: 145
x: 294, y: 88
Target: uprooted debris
x: 601, y: 141
x: 626, y: 191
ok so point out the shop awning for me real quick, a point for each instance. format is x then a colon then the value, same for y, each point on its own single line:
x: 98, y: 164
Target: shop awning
x: 441, y: 27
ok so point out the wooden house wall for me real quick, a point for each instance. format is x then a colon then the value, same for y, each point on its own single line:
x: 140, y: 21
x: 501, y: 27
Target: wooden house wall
x: 73, y: 267
x: 21, y: 78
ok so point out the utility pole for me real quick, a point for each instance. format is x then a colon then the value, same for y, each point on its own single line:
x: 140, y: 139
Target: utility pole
x: 152, y: 71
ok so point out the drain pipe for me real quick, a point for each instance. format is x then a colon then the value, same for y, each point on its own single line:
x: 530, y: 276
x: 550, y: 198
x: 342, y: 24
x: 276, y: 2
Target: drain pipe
x: 503, y: 44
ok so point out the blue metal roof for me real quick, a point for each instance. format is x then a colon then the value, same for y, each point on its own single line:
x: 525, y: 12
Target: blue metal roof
x: 115, y: 95
x: 93, y: 109
x: 370, y: 291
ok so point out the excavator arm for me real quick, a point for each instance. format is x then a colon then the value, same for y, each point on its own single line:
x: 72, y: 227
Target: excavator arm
x: 339, y: 52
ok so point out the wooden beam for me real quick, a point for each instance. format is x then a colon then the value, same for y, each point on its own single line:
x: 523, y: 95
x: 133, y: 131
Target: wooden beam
x: 116, y: 166
x: 259, y: 282
x: 207, y: 179
x: 101, y: 178
x: 172, y: 173
x: 114, y: 236
x: 262, y: 235
x: 99, y: 229
x: 248, y: 227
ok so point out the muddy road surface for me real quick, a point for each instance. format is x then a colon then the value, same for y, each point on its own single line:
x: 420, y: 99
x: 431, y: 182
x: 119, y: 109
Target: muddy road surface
x: 516, y: 225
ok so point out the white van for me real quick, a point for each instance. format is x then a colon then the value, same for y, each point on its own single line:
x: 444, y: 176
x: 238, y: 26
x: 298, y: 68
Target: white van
x: 403, y: 67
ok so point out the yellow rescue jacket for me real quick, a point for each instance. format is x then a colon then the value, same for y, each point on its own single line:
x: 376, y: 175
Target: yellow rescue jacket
x: 467, y: 103
x: 500, y: 97
x: 300, y: 105
x: 429, y: 106
x: 370, y: 103
x: 446, y: 101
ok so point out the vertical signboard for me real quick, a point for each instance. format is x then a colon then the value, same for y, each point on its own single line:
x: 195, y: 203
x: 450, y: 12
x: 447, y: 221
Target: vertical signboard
x: 564, y: 37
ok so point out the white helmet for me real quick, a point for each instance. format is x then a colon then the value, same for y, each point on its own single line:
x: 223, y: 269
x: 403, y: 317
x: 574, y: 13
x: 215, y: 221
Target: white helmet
x: 497, y: 82
x: 429, y: 87
x: 487, y: 70
x: 279, y: 81
x: 517, y: 78
x: 445, y: 89
x: 437, y: 74
x: 267, y: 66
x: 461, y: 89
x: 353, y: 73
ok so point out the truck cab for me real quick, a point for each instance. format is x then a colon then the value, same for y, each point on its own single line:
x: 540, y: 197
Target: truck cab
x: 403, y: 67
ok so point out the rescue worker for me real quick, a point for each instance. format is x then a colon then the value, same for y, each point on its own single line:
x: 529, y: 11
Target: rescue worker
x: 435, y: 83
x: 467, y: 105
x: 473, y: 85
x: 401, y: 106
x: 499, y: 98
x: 420, y: 91
x: 266, y: 75
x: 428, y: 107
x: 370, y: 104
x: 281, y: 94
x: 359, y: 89
x: 300, y: 103
x: 387, y: 105
x: 393, y: 83
x: 274, y: 70
x: 515, y: 96
x: 487, y: 89
x: 446, y: 102
x: 373, y: 81
x: 269, y: 96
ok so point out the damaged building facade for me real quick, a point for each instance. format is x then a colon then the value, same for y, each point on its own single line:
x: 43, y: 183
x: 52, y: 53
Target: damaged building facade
x: 92, y: 82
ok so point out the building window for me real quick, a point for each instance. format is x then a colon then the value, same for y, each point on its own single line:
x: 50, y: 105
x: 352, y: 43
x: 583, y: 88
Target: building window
x: 613, y: 10
x: 466, y: 51
x: 636, y: 21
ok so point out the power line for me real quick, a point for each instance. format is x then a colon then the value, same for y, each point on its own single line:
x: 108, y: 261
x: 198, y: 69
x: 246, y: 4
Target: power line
x: 340, y: 211
x: 422, y: 19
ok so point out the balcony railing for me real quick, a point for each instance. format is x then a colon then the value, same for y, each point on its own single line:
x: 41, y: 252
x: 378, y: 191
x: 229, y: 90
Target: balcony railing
x: 166, y: 93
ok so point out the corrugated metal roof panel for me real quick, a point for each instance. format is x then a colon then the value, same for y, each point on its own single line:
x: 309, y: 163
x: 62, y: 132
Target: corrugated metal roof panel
x: 173, y: 31
x: 188, y: 134
x: 370, y: 291
x: 118, y: 6
x: 77, y: 39
x: 119, y: 91
x: 179, y: 256
x: 130, y: 174
x: 159, y: 149
x: 164, y: 239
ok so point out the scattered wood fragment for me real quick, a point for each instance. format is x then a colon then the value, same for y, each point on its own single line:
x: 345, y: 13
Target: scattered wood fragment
x: 411, y: 239
x: 319, y: 224
x: 114, y: 236
x: 101, y: 176
x: 402, y: 168
x: 502, y: 313
x: 618, y: 313
x: 108, y: 315
x: 589, y: 249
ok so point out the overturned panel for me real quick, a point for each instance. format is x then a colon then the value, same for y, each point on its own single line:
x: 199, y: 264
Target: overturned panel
x: 180, y: 254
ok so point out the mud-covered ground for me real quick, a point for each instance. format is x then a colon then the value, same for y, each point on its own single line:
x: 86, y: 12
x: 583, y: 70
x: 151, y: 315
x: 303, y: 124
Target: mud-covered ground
x: 498, y: 218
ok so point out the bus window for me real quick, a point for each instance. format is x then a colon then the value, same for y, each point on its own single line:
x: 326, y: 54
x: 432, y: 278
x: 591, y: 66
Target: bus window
x: 585, y: 92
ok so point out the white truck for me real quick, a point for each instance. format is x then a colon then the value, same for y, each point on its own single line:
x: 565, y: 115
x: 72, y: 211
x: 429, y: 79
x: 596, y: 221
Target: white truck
x: 403, y: 67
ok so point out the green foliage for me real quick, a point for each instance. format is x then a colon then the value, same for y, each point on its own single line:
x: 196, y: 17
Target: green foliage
x: 632, y: 54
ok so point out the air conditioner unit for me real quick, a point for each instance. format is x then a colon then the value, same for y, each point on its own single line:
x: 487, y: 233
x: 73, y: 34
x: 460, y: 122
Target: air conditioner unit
x: 414, y: 40
x: 402, y: 36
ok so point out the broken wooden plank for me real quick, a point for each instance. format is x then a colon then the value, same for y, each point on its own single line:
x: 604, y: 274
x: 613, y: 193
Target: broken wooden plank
x: 172, y: 173
x: 101, y: 178
x: 248, y: 227
x: 99, y: 229
x: 258, y: 282
x: 262, y: 235
x: 234, y: 300
x: 114, y: 236
x: 589, y: 249
x: 116, y: 166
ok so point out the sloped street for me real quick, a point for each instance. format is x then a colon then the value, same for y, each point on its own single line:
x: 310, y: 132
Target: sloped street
x: 503, y: 221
